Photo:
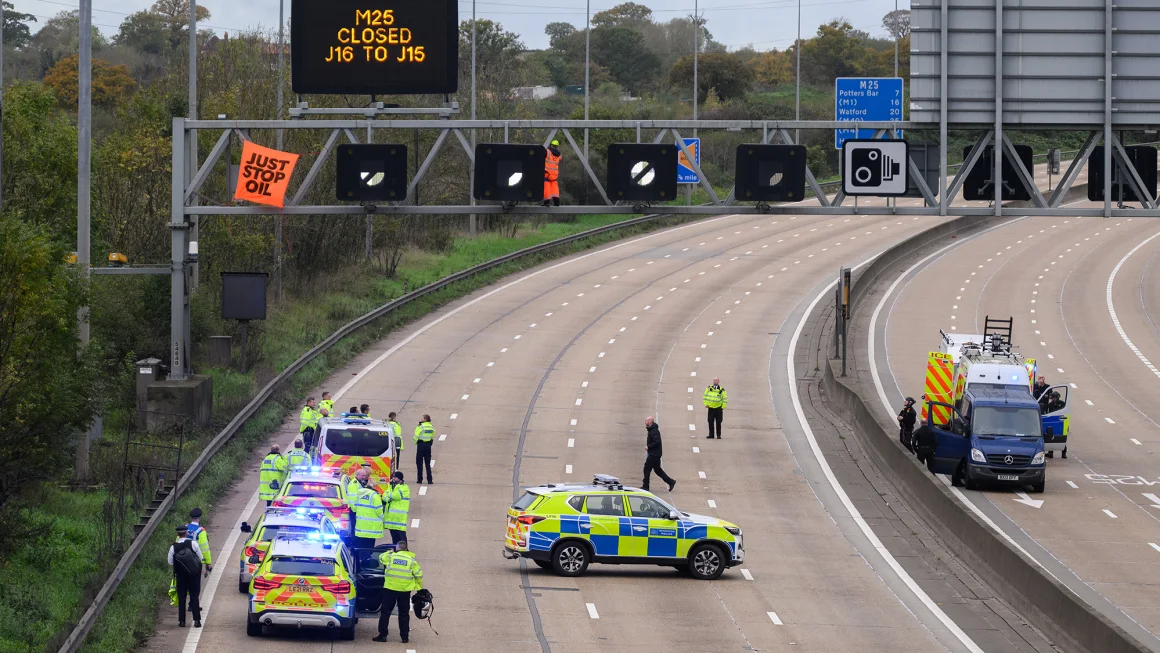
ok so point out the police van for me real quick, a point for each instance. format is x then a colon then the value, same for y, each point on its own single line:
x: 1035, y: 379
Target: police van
x: 351, y: 441
x: 978, y: 404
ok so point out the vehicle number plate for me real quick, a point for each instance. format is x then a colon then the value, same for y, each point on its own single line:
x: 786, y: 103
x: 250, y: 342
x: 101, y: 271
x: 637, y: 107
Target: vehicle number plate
x: 1008, y: 477
x: 300, y: 588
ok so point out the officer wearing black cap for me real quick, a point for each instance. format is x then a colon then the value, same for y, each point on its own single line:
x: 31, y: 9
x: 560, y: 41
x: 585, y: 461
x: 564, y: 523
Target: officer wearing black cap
x: 185, y: 558
x: 906, y: 420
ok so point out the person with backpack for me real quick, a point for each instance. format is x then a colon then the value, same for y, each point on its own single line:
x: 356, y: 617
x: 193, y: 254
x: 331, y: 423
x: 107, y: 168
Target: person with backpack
x: 185, y: 557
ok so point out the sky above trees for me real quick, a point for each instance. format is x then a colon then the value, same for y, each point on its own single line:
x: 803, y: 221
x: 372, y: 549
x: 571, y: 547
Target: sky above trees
x: 764, y: 24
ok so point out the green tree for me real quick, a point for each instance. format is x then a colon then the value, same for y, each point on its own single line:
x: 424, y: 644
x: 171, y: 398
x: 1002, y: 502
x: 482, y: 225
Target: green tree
x: 47, y: 393
x: 109, y: 83
x: 175, y: 15
x: 40, y: 165
x: 558, y: 30
x: 623, y: 52
x: 838, y: 50
x: 16, y: 31
x: 727, y: 74
x: 897, y: 23
x: 144, y: 31
x: 628, y: 14
x: 60, y: 37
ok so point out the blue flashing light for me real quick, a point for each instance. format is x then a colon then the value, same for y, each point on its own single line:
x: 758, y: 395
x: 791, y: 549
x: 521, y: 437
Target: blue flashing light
x: 330, y: 536
x: 313, y: 536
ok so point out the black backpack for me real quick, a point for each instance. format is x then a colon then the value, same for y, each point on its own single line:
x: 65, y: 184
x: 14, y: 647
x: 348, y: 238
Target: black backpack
x: 185, y: 561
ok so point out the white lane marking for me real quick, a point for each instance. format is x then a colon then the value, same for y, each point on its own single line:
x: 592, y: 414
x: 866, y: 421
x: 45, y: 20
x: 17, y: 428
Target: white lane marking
x: 701, y: 475
x: 432, y: 463
x: 692, y: 427
x: 516, y: 338
x: 573, y: 421
x: 1059, y: 369
x: 1073, y: 485
x: 477, y: 380
x: 442, y: 437
x: 1073, y: 386
x: 592, y: 606
x: 692, y: 374
x: 1089, y: 402
x: 829, y: 473
x: 584, y: 385
x: 1111, y: 514
x: 592, y: 369
x: 1153, y: 498
x: 567, y: 469
x: 601, y: 355
x: 695, y: 450
x: 623, y: 329
x: 690, y: 406
x: 1154, y: 545
x: 1112, y: 308
x: 697, y: 359
x: 647, y: 307
x: 579, y: 401
x: 712, y: 503
x: 454, y: 415
x: 1109, y: 420
x: 703, y: 346
x: 547, y: 314
x: 532, y: 325
x: 571, y: 442
x: 464, y: 397
x: 690, y: 389
x: 503, y: 351
x: 415, y: 523
x: 611, y: 340
x: 491, y: 364
x: 1135, y: 441
x: 774, y: 618
x: 423, y: 490
x: 746, y: 574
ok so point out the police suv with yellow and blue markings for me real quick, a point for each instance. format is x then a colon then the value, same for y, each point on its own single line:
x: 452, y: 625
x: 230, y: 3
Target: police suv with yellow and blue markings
x: 564, y: 527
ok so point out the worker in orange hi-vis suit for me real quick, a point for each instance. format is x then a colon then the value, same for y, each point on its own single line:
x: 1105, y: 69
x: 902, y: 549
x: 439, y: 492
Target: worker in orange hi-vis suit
x: 552, y: 174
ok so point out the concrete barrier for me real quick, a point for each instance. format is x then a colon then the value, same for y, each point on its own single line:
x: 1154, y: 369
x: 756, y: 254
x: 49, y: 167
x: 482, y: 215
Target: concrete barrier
x: 1015, y: 578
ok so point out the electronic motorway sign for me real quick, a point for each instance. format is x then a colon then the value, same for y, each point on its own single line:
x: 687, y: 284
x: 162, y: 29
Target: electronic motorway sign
x: 374, y: 47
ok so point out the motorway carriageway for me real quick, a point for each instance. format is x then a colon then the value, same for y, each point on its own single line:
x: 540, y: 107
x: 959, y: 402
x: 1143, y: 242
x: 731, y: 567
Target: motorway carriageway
x: 547, y: 377
x: 1086, y: 302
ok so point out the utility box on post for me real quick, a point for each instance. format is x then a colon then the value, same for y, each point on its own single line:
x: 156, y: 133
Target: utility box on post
x: 148, y: 372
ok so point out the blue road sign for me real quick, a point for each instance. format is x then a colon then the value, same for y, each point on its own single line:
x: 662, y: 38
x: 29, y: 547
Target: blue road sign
x: 866, y: 99
x: 685, y: 172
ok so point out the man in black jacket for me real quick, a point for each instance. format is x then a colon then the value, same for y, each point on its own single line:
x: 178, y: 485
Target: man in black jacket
x: 906, y: 420
x: 653, y: 460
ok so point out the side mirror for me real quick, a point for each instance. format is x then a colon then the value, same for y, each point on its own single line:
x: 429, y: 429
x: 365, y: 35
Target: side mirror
x: 246, y: 528
x: 1049, y: 432
x: 674, y: 515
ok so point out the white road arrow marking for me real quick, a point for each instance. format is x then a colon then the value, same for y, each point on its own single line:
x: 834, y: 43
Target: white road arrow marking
x: 1028, y: 501
x: 1153, y: 498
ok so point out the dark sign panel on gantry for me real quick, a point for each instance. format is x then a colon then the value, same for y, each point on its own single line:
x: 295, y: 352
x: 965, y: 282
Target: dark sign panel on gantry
x: 374, y: 47
x: 1053, y: 62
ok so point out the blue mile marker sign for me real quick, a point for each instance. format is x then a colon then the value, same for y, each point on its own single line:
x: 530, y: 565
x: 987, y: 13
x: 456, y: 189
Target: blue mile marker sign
x: 685, y: 172
x: 866, y: 99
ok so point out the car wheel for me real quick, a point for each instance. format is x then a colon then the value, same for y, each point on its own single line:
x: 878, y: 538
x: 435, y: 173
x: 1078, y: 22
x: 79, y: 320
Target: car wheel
x: 243, y: 587
x: 347, y: 634
x: 957, y: 477
x: 1038, y: 487
x: 254, y: 628
x: 543, y: 564
x: 706, y: 562
x: 968, y: 481
x: 570, y: 558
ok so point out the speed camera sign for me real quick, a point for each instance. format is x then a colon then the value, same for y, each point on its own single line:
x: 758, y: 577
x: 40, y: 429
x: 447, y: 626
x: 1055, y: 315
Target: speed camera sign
x: 875, y: 168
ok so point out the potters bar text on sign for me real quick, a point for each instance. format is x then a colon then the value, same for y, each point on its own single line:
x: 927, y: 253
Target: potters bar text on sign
x: 384, y: 47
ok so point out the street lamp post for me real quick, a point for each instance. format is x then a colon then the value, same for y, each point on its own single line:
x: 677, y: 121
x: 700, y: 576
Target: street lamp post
x: 797, y: 110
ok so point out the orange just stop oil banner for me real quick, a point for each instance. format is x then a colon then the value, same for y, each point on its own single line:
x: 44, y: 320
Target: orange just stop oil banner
x: 264, y: 175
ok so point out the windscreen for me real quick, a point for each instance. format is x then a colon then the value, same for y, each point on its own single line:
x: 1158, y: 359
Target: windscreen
x: 270, y: 532
x: 302, y: 566
x: 358, y: 442
x: 316, y: 490
x: 1000, y: 421
x: 525, y: 501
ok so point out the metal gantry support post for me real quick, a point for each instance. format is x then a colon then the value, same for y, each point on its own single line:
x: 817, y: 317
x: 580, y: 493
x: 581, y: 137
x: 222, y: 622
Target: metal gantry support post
x: 192, y: 147
x: 278, y: 236
x: 179, y: 232
x: 1108, y: 7
x: 943, y: 202
x: 997, y: 157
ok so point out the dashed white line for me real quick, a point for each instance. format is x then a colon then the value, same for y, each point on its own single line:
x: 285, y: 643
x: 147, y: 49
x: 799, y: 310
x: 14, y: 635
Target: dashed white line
x: 692, y: 374
x: 690, y: 406
x: 1089, y: 402
x: 464, y: 397
x: 592, y: 610
x: 503, y: 351
x: 571, y: 442
x: 423, y: 490
x: 592, y: 369
x: 746, y: 574
x: 567, y: 469
x: 491, y: 364
x: 712, y: 503
x: 611, y: 340
x: 578, y: 401
x: 773, y: 615
x: 477, y: 380
x: 1154, y: 545
x: 1111, y: 514
x: 573, y: 421
x: 696, y: 449
x: 1109, y: 420
x: 623, y: 329
x: 415, y: 523
x: 454, y: 415
x: 701, y: 475
x: 1135, y: 441
x: 600, y: 355
x: 442, y: 437
x: 584, y: 385
x: 1073, y: 485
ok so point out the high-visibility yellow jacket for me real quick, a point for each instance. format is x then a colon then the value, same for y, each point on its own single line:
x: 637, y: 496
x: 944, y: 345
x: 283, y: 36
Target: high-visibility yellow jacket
x: 398, y: 428
x: 368, y: 514
x: 273, y: 469
x: 398, y: 503
x: 715, y: 397
x: 198, y: 534
x: 328, y: 404
x: 297, y: 458
x: 402, y: 572
x: 424, y: 432
x: 308, y: 419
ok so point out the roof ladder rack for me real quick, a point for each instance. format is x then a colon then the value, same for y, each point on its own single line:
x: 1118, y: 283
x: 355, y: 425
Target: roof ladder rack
x: 997, y: 334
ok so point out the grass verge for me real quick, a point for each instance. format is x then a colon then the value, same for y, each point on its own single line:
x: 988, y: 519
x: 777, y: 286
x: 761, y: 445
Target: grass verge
x: 129, y: 618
